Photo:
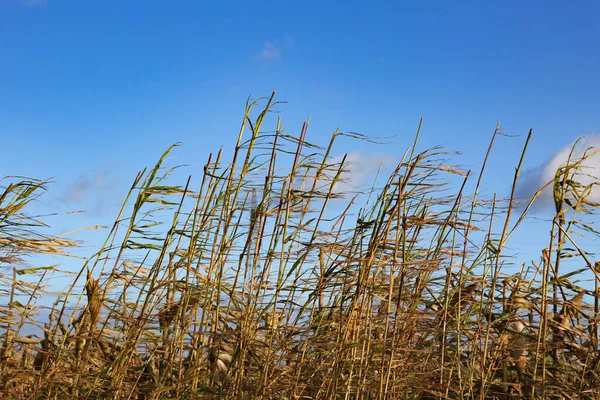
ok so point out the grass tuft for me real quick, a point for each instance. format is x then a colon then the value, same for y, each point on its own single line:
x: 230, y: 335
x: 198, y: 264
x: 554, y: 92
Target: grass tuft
x: 261, y: 283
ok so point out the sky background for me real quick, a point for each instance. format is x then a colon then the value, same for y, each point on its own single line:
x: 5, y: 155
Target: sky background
x: 93, y: 91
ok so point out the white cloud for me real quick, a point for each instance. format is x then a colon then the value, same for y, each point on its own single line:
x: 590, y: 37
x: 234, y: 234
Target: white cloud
x: 270, y: 52
x: 534, y: 179
x: 361, y: 169
x: 358, y: 173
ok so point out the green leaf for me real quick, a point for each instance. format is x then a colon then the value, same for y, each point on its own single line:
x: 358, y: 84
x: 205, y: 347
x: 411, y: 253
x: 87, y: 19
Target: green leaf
x: 34, y: 270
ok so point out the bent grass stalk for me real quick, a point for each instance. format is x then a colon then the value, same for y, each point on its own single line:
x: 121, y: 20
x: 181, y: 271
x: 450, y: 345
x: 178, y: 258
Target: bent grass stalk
x: 260, y: 284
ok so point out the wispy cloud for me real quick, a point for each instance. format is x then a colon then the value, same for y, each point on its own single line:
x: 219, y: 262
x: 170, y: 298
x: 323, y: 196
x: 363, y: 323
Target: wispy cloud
x: 357, y: 176
x: 535, y: 178
x: 360, y: 170
x: 270, y: 52
x: 91, y: 189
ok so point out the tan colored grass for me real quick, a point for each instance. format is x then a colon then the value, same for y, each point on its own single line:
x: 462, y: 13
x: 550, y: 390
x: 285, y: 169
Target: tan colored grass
x: 261, y: 283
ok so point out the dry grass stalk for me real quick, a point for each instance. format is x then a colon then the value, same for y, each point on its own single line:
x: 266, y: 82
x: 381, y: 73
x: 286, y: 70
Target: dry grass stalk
x: 259, y: 285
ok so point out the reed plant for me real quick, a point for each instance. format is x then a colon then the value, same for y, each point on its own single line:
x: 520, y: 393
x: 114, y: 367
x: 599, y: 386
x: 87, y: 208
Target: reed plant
x: 267, y: 280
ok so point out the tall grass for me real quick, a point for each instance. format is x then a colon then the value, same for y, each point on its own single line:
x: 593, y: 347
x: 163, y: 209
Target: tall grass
x: 261, y: 283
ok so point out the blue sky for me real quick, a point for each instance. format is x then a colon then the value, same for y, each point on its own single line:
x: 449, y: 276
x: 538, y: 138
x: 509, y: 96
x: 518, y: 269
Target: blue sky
x: 92, y: 91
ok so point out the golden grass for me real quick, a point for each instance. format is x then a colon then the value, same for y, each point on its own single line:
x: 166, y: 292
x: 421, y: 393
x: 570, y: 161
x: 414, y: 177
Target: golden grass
x: 253, y: 288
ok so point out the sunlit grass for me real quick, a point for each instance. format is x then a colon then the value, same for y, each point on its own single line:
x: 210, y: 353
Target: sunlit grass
x: 253, y: 286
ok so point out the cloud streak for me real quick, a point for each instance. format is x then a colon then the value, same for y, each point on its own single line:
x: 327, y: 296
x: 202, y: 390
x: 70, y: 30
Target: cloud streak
x: 358, y: 172
x: 90, y: 189
x: 534, y: 179
x: 270, y: 52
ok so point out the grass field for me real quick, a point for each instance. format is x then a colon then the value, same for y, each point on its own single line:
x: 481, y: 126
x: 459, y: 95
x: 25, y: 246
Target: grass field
x: 258, y: 284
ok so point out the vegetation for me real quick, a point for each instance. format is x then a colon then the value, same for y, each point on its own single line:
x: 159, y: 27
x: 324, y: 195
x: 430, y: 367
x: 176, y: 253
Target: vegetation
x: 254, y: 286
